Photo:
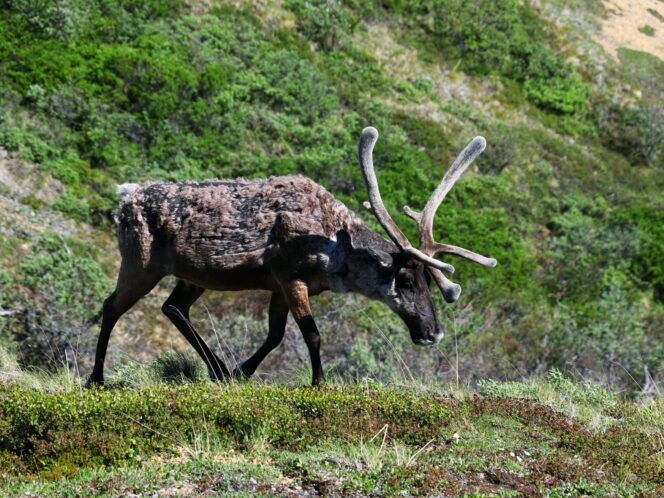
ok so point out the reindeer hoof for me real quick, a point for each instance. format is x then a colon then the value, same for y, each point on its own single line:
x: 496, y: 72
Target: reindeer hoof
x: 93, y: 382
x: 215, y: 377
x: 238, y: 373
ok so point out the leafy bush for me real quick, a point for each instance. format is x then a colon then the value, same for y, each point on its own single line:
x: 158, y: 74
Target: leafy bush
x: 325, y: 22
x: 499, y: 153
x: 647, y: 30
x: 583, y: 243
x: 648, y: 225
x: 49, y: 18
x: 636, y: 131
x: 67, y: 287
x: 608, y: 338
x: 635, y: 126
x: 551, y: 84
x: 502, y: 37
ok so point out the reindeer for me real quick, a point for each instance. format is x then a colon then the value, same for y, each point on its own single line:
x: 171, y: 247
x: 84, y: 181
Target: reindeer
x: 287, y: 235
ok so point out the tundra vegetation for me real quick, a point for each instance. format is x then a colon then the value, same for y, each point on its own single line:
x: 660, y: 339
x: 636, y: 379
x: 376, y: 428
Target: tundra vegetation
x: 568, y: 197
x: 165, y: 430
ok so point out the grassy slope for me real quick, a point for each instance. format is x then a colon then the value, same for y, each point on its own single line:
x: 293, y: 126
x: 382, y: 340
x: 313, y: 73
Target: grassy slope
x: 552, y: 437
x: 90, y: 99
x: 97, y: 94
x: 105, y: 92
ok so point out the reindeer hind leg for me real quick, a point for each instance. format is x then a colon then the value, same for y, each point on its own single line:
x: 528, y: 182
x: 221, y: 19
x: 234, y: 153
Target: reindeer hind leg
x: 176, y: 308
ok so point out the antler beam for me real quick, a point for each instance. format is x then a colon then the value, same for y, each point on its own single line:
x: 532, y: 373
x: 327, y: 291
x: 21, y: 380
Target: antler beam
x: 367, y: 142
x: 424, y: 219
x: 428, y: 246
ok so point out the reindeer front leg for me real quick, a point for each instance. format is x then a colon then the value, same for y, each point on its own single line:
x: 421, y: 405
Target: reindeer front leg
x: 297, y: 296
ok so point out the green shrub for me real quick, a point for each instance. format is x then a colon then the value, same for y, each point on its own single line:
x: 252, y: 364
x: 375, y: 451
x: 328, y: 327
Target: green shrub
x: 584, y: 244
x: 73, y: 206
x: 70, y: 430
x: 636, y: 132
x: 502, y: 37
x: 551, y: 84
x: 66, y: 289
x: 500, y: 151
x: 49, y: 18
x: 648, y: 223
x: 607, y: 340
x: 325, y: 22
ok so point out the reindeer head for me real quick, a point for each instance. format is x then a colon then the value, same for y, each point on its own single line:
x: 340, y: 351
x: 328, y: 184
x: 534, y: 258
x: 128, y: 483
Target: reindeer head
x: 411, y: 270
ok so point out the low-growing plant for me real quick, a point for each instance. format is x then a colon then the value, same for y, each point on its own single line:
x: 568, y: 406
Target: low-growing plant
x: 369, y: 438
x: 60, y: 306
x: 178, y: 368
x: 325, y: 22
x: 637, y: 131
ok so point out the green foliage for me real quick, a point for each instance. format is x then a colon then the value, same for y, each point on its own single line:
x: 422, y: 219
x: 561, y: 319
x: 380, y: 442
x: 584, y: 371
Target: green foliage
x: 635, y: 128
x: 583, y: 243
x: 648, y: 223
x: 363, y: 439
x: 325, y: 22
x: 608, y: 338
x: 50, y: 18
x: 551, y: 84
x: 500, y: 152
x: 636, y: 131
x: 116, y: 426
x: 586, y: 393
x: 69, y: 275
x: 103, y: 92
x: 67, y: 286
x: 502, y: 37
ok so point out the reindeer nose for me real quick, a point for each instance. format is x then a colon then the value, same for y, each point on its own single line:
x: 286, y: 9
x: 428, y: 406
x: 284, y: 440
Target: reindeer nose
x: 435, y: 334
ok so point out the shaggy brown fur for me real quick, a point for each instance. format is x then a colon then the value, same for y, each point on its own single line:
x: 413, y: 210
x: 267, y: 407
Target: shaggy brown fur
x: 221, y: 225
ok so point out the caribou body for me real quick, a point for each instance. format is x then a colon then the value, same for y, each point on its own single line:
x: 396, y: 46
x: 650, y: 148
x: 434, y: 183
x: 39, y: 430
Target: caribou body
x: 287, y: 235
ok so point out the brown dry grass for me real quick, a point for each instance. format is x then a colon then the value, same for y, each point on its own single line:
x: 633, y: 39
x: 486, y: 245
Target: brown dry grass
x: 621, y: 27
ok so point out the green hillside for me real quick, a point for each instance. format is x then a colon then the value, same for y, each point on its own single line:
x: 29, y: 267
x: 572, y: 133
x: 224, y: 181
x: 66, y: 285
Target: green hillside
x: 568, y: 197
x: 551, y: 438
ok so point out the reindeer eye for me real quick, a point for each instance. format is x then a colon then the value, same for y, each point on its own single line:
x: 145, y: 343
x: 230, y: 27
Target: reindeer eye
x: 406, y: 280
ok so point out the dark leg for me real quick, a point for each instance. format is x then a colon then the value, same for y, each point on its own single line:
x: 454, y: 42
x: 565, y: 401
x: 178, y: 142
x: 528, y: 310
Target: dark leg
x: 297, y: 296
x: 277, y: 323
x: 126, y: 294
x: 176, y: 308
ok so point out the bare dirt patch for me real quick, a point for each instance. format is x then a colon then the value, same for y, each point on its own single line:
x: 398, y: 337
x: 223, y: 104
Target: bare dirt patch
x: 624, y: 27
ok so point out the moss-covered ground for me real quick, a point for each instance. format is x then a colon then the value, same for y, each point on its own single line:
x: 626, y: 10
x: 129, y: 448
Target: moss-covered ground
x: 553, y: 437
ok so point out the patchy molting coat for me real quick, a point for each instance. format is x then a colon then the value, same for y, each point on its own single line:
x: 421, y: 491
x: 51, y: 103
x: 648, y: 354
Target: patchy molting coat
x: 233, y: 234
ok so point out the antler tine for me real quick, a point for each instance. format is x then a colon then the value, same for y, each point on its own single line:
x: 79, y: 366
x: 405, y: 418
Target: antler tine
x: 368, y: 139
x: 450, y: 290
x: 425, y: 218
x: 464, y: 253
